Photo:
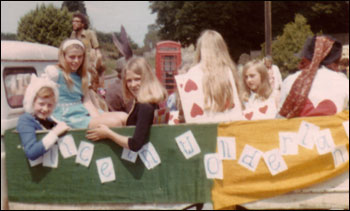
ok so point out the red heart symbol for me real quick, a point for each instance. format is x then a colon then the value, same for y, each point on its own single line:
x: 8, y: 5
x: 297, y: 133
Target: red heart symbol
x: 171, y: 117
x: 176, y: 121
x: 196, y: 111
x: 181, y: 85
x: 190, y: 86
x: 161, y: 112
x: 249, y: 115
x: 263, y: 109
x: 324, y: 108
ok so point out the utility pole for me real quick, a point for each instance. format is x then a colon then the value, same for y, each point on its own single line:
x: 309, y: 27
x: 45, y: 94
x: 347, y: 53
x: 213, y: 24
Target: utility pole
x: 268, y: 31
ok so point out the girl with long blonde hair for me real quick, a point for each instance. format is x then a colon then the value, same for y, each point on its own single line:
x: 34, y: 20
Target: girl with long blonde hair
x: 74, y: 104
x: 257, y: 97
x: 141, y: 85
x: 217, y: 74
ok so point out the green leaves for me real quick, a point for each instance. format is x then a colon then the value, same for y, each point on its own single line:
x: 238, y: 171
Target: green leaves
x: 285, y: 48
x: 47, y: 25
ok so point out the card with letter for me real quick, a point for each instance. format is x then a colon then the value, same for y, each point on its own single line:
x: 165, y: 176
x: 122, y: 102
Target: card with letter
x: 288, y: 143
x: 340, y: 155
x: 129, y: 155
x: 67, y: 146
x: 105, y: 169
x: 50, y: 158
x: 306, y: 134
x: 85, y: 153
x: 226, y: 148
x: 213, y: 166
x: 275, y: 161
x: 324, y: 142
x: 188, y: 144
x: 36, y: 162
x: 149, y: 156
x: 346, y: 127
x: 250, y: 158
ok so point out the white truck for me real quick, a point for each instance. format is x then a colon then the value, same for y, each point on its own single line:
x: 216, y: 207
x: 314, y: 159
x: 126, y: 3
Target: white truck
x: 21, y: 59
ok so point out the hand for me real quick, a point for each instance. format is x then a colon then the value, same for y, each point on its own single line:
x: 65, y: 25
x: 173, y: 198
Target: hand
x: 101, y: 132
x: 60, y: 128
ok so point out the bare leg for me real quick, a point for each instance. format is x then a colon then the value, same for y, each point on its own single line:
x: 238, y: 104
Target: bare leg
x: 110, y: 119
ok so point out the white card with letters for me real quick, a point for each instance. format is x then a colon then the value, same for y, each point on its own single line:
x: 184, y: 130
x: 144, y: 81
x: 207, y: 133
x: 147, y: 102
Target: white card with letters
x: 149, y: 156
x: 288, y: 143
x: 346, y: 127
x: 213, y: 166
x: 85, y: 153
x: 105, y: 169
x: 129, y: 155
x: 36, y: 162
x: 340, y: 155
x: 306, y: 134
x: 324, y: 142
x: 275, y: 161
x: 51, y: 157
x: 67, y: 146
x: 188, y: 144
x: 250, y: 158
x: 226, y: 148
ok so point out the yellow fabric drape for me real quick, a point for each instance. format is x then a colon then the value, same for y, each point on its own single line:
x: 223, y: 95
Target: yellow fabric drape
x: 241, y: 185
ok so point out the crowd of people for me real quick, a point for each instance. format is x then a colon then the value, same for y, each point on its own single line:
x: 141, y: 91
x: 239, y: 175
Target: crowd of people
x: 61, y: 98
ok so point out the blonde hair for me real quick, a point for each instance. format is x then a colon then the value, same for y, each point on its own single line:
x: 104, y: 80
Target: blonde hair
x: 82, y: 71
x: 216, y: 64
x: 45, y: 92
x: 264, y: 90
x: 151, y: 90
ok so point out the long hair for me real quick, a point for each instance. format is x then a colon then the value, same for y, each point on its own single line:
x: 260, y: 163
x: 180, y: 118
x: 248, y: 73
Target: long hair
x: 151, y: 90
x: 213, y: 55
x: 264, y: 90
x: 82, y: 71
x: 45, y: 92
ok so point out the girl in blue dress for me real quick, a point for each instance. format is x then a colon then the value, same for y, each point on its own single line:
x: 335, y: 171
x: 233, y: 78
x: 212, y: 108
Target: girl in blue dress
x: 74, y: 104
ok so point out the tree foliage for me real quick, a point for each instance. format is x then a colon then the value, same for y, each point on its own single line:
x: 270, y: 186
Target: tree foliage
x: 47, y: 25
x: 241, y: 23
x: 74, y: 6
x: 184, y: 21
x: 151, y: 38
x: 287, y: 47
x: 8, y: 36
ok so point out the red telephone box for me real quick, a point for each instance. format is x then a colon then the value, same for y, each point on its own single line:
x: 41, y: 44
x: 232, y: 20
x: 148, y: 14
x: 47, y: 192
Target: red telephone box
x: 168, y: 61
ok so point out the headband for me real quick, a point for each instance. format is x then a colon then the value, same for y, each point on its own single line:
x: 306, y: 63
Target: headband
x: 72, y: 42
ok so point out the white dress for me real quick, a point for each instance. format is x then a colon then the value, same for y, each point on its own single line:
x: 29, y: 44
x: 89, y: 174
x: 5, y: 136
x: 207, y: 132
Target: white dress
x: 256, y: 109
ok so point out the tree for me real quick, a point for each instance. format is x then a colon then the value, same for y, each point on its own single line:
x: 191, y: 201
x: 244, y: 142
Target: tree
x: 8, y: 36
x: 47, y: 25
x: 241, y: 23
x: 74, y: 6
x: 287, y: 47
x: 151, y: 38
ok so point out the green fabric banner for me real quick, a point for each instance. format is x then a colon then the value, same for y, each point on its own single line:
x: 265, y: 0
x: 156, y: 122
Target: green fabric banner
x: 175, y: 180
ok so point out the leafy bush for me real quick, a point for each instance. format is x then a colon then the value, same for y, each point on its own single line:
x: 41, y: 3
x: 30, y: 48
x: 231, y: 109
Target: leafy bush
x: 47, y: 25
x: 287, y: 47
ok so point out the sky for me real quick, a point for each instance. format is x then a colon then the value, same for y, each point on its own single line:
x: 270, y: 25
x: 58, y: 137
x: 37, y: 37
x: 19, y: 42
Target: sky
x: 105, y: 16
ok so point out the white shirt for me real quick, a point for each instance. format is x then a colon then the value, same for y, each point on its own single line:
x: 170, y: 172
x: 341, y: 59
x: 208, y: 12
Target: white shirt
x: 329, y: 89
x: 257, y: 109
